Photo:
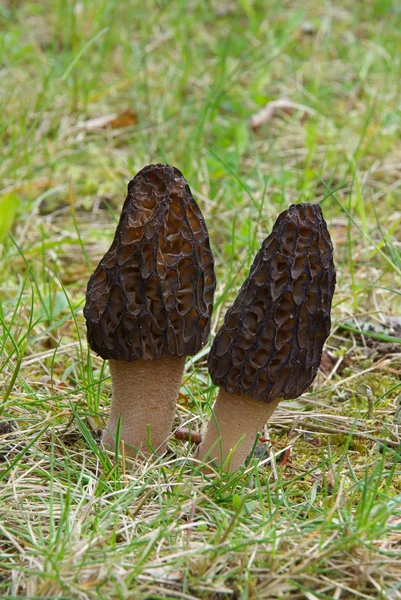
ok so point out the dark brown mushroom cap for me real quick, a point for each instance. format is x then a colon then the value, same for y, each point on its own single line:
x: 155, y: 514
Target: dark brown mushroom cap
x: 271, y: 342
x: 152, y: 293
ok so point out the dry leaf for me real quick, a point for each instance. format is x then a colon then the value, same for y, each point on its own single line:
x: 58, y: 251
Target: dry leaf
x: 128, y: 118
x: 277, y: 107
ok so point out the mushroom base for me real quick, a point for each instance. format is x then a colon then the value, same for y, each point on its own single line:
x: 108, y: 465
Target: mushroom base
x: 144, y: 395
x: 239, y: 419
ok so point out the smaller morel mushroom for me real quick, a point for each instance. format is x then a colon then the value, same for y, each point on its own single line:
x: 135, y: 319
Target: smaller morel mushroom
x: 270, y: 345
x: 149, y: 303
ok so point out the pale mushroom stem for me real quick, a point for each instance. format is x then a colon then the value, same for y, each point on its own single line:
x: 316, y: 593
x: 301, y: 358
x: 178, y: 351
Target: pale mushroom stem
x: 145, y: 394
x: 239, y: 419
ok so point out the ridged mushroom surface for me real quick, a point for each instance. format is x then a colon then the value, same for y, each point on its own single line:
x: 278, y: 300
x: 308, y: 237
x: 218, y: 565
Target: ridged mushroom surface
x: 271, y: 342
x: 152, y: 293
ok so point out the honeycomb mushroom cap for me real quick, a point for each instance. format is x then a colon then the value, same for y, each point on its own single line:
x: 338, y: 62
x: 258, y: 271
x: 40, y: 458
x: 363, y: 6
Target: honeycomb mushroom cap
x: 271, y: 342
x: 151, y: 295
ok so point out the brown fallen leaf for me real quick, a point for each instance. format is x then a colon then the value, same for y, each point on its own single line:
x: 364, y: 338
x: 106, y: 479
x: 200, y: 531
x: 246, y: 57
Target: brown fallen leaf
x: 127, y: 118
x: 277, y: 107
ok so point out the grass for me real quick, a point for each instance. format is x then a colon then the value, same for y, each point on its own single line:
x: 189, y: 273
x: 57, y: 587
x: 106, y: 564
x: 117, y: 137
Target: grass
x: 320, y: 515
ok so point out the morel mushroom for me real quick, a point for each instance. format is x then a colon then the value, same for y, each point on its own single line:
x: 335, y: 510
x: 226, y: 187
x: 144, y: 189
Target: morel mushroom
x: 270, y: 345
x: 149, y: 303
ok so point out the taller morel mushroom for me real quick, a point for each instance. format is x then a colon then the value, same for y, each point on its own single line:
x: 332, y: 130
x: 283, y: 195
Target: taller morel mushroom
x: 270, y: 345
x: 149, y: 303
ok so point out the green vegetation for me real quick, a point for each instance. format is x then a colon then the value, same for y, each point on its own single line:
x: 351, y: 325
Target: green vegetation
x: 93, y: 91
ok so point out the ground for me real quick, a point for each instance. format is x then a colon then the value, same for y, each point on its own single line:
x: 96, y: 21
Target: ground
x: 92, y: 92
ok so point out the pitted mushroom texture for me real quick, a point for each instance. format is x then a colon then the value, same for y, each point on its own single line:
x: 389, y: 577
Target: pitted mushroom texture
x: 271, y: 342
x: 152, y: 293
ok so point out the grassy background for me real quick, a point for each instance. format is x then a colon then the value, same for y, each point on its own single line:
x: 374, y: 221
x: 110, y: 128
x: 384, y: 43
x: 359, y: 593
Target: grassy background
x: 178, y: 82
